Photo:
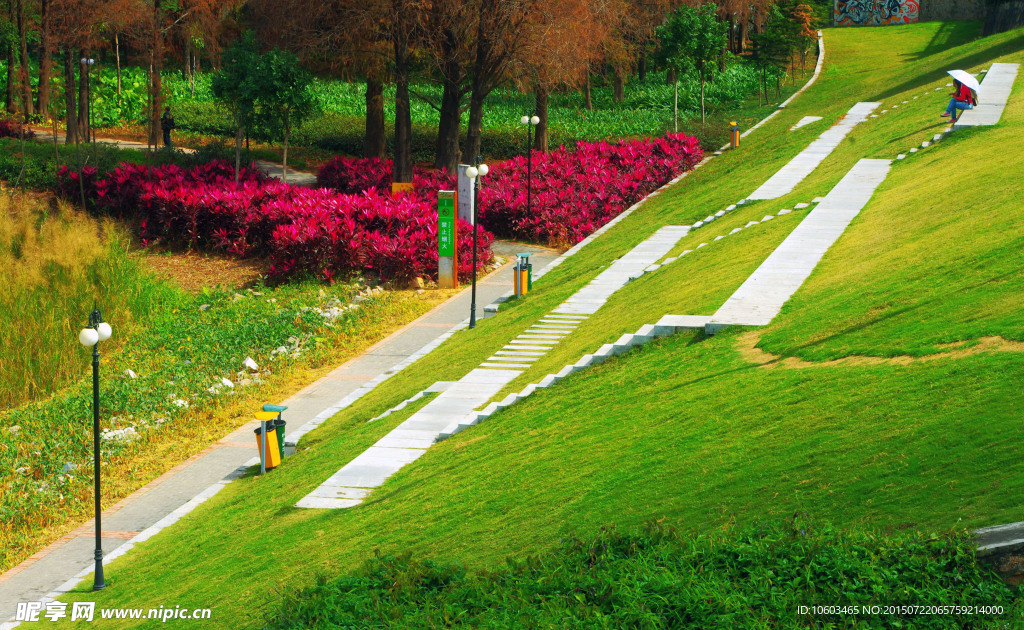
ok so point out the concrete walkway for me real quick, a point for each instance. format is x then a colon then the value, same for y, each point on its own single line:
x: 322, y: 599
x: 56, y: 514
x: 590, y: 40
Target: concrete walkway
x: 794, y: 172
x: 166, y: 499
x: 760, y: 298
x: 995, y: 90
x: 457, y: 401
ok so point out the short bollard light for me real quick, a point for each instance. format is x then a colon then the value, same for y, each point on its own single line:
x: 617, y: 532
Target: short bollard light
x: 734, y: 132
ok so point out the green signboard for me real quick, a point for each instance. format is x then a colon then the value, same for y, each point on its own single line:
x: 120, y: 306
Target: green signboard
x: 446, y: 223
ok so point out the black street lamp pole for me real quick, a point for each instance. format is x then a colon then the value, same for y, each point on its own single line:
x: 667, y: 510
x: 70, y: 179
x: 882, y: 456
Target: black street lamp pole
x: 97, y: 331
x: 472, y: 303
x: 97, y: 583
x: 477, y: 170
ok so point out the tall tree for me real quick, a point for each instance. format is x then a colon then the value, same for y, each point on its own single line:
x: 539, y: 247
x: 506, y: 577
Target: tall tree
x: 9, y: 39
x: 27, y: 106
x: 238, y: 85
x: 156, y: 62
x: 45, y: 58
x: 691, y: 41
x: 286, y: 98
x: 402, y: 31
x: 499, y: 35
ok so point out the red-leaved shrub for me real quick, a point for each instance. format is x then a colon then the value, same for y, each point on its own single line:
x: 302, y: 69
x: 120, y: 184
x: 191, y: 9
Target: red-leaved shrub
x: 300, y: 230
x: 573, y: 193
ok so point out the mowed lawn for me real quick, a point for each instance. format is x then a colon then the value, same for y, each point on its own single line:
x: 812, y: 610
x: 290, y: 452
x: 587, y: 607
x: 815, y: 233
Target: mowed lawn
x: 916, y: 428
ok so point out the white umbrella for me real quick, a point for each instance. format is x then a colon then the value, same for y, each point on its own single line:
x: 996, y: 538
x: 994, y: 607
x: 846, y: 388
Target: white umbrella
x: 965, y: 78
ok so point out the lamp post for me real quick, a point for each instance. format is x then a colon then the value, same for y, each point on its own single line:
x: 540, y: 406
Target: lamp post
x: 530, y: 122
x: 97, y: 331
x: 480, y: 169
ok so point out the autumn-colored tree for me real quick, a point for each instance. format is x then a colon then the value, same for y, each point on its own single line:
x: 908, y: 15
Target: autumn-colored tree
x: 342, y: 39
x: 555, y: 56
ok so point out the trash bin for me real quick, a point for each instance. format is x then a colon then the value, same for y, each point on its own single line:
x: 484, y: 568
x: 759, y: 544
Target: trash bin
x: 279, y: 424
x: 276, y: 424
x: 268, y: 446
x: 518, y: 288
x: 525, y: 257
x: 734, y: 133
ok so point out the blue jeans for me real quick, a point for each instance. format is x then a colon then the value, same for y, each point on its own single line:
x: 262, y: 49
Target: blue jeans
x: 955, y: 105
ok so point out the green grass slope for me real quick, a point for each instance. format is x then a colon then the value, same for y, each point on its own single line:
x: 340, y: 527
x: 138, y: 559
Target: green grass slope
x: 886, y: 395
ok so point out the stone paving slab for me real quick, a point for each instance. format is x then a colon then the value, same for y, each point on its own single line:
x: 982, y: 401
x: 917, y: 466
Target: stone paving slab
x: 995, y: 90
x: 794, y: 172
x: 760, y: 298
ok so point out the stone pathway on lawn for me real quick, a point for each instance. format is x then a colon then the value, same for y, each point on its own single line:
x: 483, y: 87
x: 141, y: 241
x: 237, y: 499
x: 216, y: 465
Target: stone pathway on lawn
x: 760, y: 298
x: 794, y: 172
x: 411, y: 439
x: 995, y: 90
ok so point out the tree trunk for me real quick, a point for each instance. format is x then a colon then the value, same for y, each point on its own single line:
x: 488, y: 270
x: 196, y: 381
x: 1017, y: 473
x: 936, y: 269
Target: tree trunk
x: 675, y: 106
x: 476, y: 119
x: 45, y: 58
x: 671, y: 77
x: 373, y: 140
x: 540, y: 136
x: 619, y: 90
x: 588, y: 101
x: 9, y: 103
x: 641, y: 67
x: 284, y: 158
x: 238, y: 149
x: 26, y: 87
x: 117, y: 60
x: 70, y: 122
x: 451, y: 119
x: 83, y: 101
x: 703, y: 117
x: 158, y: 57
x: 732, y: 34
x: 402, y: 170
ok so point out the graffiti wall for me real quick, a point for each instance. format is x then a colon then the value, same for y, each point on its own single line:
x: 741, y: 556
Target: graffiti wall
x: 875, y: 12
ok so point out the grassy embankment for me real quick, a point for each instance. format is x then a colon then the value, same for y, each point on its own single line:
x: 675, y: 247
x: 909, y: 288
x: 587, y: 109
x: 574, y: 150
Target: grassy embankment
x: 58, y: 263
x: 851, y: 407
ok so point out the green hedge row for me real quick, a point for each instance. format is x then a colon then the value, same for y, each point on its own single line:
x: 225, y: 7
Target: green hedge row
x: 759, y: 576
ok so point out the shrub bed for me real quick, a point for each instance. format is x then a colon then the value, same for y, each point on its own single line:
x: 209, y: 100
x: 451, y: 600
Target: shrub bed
x: 302, y: 231
x: 765, y: 575
x: 573, y: 192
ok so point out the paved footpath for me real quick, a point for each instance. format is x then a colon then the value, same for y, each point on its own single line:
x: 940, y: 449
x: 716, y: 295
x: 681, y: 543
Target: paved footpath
x: 167, y: 498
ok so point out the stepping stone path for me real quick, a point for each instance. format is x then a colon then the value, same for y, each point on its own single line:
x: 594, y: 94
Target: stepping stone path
x: 995, y: 89
x: 798, y: 168
x: 760, y: 298
x: 455, y: 405
x: 806, y: 120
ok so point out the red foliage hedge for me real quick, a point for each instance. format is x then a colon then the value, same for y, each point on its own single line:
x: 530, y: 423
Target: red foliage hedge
x: 573, y: 192
x: 301, y: 230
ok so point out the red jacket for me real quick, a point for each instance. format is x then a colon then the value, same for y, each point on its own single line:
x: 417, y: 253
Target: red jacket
x: 964, y: 95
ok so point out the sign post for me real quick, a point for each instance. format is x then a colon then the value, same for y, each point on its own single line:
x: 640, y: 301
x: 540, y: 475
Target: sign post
x: 465, y: 198
x: 447, y: 237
